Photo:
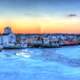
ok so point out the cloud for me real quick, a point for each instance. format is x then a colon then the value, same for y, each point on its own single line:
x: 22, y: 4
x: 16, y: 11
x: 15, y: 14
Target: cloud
x: 72, y: 15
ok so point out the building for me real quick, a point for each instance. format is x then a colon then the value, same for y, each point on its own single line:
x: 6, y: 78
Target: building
x: 8, y: 37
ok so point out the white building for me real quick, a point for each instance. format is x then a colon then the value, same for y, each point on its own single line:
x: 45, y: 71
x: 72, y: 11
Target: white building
x: 8, y: 37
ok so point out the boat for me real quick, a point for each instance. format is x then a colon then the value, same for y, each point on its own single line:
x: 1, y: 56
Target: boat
x: 14, y: 47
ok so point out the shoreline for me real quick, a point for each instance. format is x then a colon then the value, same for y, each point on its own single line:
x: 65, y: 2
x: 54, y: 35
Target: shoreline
x: 39, y: 47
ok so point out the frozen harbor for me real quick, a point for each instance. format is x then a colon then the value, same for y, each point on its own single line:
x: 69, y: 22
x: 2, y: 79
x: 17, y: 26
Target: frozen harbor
x: 40, y: 64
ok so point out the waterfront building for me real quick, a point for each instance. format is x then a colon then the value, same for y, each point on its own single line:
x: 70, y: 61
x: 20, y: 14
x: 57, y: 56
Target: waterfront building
x: 8, y: 37
x: 23, y: 41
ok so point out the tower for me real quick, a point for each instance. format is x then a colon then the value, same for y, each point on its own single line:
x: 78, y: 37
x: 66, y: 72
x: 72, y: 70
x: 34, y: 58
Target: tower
x: 7, y: 30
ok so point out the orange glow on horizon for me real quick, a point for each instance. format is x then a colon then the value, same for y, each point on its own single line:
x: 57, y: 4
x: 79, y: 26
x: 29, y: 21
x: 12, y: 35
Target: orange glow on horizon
x: 42, y: 26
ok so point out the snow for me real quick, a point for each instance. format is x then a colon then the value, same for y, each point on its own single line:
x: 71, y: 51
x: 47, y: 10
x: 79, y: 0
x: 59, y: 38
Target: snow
x: 43, y: 64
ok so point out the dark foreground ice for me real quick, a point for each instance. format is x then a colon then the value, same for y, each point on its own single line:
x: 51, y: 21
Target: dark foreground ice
x: 40, y: 64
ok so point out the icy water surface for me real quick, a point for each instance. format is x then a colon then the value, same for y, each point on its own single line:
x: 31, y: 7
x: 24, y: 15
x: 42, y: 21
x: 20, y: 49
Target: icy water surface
x: 40, y: 64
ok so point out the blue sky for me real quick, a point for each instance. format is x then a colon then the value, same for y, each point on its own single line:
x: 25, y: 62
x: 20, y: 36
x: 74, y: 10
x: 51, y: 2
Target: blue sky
x: 39, y: 7
x: 35, y: 14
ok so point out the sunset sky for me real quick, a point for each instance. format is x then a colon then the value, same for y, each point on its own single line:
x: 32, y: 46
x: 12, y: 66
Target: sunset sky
x: 40, y: 16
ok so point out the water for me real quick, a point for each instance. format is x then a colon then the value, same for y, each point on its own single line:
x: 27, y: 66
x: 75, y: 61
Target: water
x: 40, y: 64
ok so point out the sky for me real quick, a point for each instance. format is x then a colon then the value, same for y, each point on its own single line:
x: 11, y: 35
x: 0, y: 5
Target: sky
x: 40, y: 16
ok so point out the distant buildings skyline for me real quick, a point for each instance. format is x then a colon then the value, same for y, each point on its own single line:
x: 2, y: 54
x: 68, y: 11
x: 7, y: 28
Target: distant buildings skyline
x: 10, y: 40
